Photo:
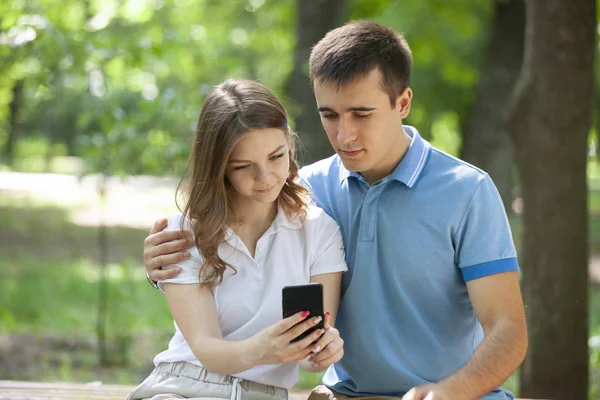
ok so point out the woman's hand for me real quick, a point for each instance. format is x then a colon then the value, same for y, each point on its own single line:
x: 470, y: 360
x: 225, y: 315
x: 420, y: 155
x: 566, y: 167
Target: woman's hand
x: 273, y: 344
x: 329, y: 349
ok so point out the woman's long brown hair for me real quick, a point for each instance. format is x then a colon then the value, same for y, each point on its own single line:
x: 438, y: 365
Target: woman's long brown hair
x: 230, y: 111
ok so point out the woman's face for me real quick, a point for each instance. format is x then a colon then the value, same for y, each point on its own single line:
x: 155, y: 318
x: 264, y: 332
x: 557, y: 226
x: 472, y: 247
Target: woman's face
x: 259, y: 165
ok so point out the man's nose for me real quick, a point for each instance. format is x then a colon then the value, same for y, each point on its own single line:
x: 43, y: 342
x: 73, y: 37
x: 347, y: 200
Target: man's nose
x: 346, y: 133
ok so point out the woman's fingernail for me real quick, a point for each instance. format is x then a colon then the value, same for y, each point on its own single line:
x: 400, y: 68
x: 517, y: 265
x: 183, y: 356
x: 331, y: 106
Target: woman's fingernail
x: 316, y: 320
x: 305, y: 314
x: 327, y: 313
x: 316, y: 349
x: 315, y: 365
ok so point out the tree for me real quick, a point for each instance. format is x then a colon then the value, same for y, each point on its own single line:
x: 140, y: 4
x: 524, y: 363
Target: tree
x: 550, y: 121
x: 13, y: 129
x: 486, y: 143
x: 312, y: 23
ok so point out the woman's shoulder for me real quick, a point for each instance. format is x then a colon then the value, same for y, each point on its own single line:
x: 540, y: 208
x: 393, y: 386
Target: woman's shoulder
x: 178, y: 221
x: 316, y: 217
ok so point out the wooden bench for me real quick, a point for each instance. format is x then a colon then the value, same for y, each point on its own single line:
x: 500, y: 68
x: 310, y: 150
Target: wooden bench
x: 76, y: 391
x: 15, y: 390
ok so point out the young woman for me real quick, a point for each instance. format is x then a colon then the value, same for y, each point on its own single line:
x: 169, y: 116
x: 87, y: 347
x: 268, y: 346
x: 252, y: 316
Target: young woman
x: 255, y: 232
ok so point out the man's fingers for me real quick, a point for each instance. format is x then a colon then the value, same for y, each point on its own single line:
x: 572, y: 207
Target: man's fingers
x: 156, y: 263
x: 161, y: 237
x: 160, y: 275
x: 410, y: 395
x: 158, y: 226
x: 171, y: 247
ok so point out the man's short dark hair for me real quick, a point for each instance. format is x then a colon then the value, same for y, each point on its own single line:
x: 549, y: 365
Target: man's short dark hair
x: 352, y: 51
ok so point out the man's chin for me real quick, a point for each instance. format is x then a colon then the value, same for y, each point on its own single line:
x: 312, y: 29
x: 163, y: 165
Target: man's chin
x: 352, y: 165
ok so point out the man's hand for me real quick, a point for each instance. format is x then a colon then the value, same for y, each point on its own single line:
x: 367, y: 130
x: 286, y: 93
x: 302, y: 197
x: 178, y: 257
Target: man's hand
x: 164, y: 248
x: 428, y: 392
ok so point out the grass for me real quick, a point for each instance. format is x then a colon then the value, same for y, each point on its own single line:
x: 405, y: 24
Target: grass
x: 48, y: 304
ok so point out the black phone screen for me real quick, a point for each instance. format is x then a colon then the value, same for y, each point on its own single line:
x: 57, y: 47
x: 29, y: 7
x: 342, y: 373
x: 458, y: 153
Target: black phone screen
x: 304, y: 298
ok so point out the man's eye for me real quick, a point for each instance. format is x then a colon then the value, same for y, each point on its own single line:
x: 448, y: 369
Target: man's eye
x: 241, y: 167
x: 362, y: 116
x: 275, y: 157
x: 329, y: 116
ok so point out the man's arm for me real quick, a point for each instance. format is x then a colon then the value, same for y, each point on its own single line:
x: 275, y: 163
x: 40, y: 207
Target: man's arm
x: 165, y: 248
x: 498, y: 304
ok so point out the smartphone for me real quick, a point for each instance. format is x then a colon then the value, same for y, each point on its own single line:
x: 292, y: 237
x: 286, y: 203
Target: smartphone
x: 298, y: 298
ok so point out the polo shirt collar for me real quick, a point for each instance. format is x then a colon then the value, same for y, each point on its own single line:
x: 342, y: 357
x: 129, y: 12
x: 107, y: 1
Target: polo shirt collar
x: 282, y: 219
x: 410, y: 167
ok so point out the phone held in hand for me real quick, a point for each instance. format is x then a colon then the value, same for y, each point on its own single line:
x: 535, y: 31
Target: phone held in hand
x: 298, y: 298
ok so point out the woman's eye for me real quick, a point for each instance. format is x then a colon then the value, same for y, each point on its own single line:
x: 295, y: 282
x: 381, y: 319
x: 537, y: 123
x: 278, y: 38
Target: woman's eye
x: 240, y: 167
x: 277, y: 156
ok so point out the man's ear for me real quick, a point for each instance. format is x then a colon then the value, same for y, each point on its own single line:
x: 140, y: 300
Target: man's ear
x: 403, y: 102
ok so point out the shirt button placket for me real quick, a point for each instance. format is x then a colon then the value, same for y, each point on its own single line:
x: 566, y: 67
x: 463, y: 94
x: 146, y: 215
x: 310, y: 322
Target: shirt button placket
x: 368, y: 217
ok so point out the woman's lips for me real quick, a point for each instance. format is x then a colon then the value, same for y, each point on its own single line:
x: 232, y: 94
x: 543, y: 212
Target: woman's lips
x: 267, y: 190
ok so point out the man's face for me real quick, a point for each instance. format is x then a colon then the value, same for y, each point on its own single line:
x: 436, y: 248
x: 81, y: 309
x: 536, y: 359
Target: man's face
x: 362, y: 126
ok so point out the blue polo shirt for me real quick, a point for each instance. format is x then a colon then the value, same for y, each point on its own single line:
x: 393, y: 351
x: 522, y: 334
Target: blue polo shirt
x: 413, y: 240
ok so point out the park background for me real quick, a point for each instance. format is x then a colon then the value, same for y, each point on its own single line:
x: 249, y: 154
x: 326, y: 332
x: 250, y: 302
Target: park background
x: 98, y: 102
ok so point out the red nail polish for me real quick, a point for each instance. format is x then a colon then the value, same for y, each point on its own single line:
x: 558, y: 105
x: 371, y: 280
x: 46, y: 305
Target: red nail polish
x: 305, y: 314
x: 327, y: 313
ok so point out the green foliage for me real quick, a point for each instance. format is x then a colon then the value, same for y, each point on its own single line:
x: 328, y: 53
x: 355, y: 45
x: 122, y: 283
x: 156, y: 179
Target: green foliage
x: 121, y: 85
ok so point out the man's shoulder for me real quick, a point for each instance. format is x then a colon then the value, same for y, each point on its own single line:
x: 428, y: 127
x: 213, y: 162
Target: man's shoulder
x: 327, y: 168
x: 453, y: 170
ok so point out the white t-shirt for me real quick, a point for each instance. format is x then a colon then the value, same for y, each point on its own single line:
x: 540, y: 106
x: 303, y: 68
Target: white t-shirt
x: 288, y: 253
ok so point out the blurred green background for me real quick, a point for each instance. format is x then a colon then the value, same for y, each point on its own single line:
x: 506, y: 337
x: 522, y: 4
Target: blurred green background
x: 98, y: 101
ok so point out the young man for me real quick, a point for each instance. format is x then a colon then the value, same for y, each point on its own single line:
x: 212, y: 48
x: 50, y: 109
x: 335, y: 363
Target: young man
x: 431, y: 306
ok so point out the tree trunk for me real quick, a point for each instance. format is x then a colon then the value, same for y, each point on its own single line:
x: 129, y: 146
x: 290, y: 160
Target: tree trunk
x: 597, y: 113
x: 550, y: 120
x: 314, y: 19
x: 14, y: 107
x: 102, y: 315
x: 486, y: 141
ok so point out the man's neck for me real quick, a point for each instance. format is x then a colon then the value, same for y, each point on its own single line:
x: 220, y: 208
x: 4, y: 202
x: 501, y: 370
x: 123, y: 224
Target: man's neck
x: 394, y: 156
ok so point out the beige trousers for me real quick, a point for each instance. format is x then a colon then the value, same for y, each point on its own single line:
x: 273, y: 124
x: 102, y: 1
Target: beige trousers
x: 183, y: 380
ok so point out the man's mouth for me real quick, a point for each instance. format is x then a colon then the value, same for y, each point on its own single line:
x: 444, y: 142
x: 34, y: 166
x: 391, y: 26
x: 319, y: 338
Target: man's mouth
x: 350, y: 153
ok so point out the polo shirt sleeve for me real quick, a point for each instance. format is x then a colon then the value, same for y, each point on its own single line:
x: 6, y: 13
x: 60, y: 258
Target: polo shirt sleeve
x: 483, y: 240
x: 189, y: 268
x: 328, y: 255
